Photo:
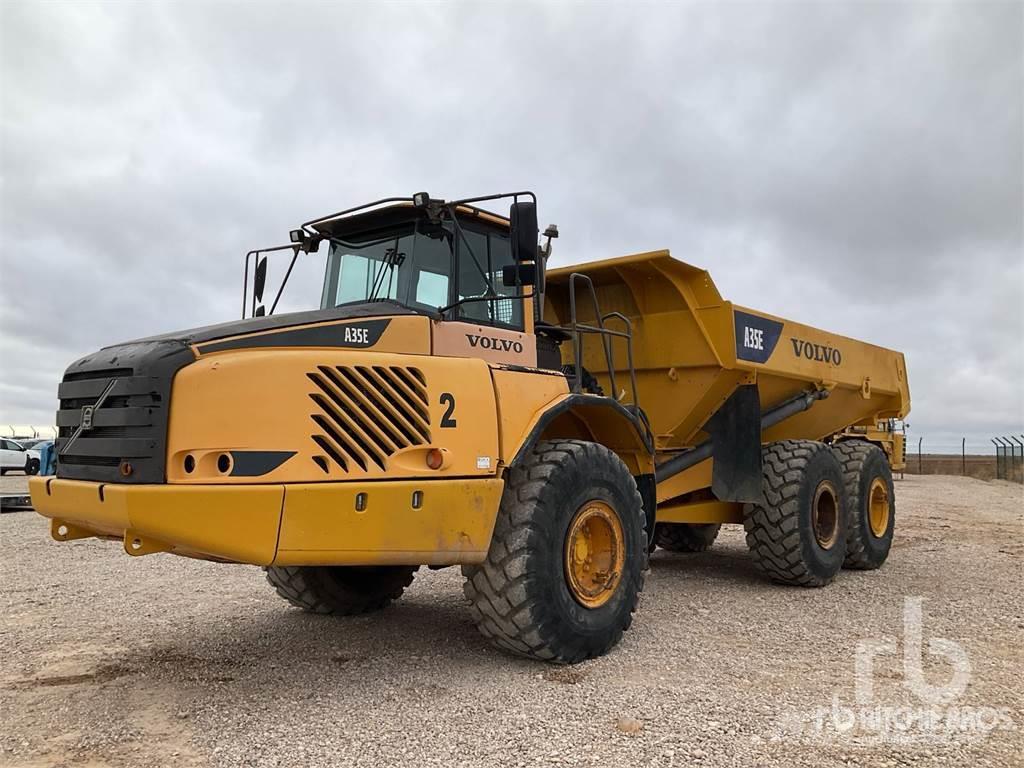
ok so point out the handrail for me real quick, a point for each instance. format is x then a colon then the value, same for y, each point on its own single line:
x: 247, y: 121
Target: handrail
x: 577, y: 329
x: 577, y: 336
x: 629, y: 351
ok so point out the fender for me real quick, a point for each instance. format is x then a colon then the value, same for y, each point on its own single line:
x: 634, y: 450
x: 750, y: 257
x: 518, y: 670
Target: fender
x: 599, y: 419
x: 609, y: 423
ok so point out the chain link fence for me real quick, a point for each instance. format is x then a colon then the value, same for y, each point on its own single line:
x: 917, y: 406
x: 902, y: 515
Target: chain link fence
x: 968, y: 459
x: 1009, y: 457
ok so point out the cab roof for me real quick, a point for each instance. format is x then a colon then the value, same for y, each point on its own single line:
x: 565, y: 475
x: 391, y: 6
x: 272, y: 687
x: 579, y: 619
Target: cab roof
x: 395, y: 214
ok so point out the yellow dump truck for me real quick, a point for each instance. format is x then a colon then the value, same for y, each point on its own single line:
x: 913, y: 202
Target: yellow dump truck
x: 454, y: 402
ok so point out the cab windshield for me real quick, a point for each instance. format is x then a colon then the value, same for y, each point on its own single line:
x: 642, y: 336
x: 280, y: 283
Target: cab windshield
x: 428, y: 266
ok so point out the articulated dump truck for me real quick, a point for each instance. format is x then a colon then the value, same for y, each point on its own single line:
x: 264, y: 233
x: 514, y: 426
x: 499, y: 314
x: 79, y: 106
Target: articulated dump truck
x: 454, y: 402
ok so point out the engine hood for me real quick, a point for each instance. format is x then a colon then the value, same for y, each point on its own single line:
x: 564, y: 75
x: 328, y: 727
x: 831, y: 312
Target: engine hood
x: 208, y: 333
x: 113, y: 413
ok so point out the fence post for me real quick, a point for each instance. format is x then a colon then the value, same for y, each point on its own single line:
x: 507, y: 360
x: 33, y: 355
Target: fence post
x: 920, y: 471
x: 1021, y: 462
x: 963, y: 456
x: 1005, y: 460
x: 997, y: 457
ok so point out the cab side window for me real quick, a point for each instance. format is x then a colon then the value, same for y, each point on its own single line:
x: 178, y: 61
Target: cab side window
x: 482, y: 255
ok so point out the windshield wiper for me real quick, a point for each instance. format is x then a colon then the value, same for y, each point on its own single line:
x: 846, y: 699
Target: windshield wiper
x: 392, y: 258
x: 491, y: 296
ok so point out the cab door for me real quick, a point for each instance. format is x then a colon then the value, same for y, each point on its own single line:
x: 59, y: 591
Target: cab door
x: 489, y: 320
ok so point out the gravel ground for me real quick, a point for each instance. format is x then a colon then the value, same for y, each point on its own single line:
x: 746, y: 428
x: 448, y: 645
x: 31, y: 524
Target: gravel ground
x: 14, y: 483
x: 113, y: 661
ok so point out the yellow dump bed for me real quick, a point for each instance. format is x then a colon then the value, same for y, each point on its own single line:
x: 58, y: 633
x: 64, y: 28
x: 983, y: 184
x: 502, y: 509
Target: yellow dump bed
x: 692, y: 349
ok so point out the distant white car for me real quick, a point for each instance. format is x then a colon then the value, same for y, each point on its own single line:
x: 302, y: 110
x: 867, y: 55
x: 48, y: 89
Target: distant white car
x: 15, y: 456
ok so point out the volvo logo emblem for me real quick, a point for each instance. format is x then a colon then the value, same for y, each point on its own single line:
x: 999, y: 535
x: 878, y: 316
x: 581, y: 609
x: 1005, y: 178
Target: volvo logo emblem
x: 88, y: 411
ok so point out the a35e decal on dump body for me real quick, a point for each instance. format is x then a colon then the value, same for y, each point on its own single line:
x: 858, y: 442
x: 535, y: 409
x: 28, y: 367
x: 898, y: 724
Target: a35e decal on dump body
x: 455, y: 402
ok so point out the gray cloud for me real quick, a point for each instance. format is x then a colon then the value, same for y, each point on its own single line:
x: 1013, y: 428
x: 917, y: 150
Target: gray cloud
x: 854, y: 166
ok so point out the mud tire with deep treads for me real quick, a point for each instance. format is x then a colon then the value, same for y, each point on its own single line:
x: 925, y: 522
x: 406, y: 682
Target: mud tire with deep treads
x: 863, y: 463
x: 340, y: 590
x: 520, y: 596
x: 780, y: 528
x: 686, y: 537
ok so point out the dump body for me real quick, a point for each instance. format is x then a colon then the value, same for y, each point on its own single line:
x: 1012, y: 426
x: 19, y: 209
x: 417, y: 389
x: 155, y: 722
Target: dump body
x: 692, y: 349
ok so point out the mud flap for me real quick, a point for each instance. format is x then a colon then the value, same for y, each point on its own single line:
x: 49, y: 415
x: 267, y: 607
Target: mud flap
x: 736, y: 447
x: 648, y: 489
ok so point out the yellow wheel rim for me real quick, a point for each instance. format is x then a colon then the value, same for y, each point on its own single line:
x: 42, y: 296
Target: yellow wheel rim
x: 825, y: 515
x: 879, y: 508
x: 595, y: 551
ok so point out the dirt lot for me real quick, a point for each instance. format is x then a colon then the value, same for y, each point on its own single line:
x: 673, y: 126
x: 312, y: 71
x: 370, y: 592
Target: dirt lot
x: 114, y: 661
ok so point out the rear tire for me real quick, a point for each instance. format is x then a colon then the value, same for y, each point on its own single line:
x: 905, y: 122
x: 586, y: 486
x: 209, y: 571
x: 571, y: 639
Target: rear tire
x: 568, y: 555
x: 797, y: 532
x: 340, y: 590
x: 870, y: 503
x: 686, y: 537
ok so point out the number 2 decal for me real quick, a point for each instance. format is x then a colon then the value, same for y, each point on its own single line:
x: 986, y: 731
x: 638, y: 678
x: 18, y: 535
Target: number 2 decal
x: 448, y: 419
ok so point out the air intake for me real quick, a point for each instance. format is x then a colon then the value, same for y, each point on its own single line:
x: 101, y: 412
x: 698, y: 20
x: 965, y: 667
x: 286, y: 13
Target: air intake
x: 367, y: 413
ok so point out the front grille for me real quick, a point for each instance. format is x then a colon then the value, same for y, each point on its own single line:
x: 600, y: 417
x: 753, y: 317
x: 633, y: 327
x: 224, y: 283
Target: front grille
x: 102, y: 373
x: 364, y: 414
x: 123, y: 423
x: 128, y: 422
x: 91, y: 461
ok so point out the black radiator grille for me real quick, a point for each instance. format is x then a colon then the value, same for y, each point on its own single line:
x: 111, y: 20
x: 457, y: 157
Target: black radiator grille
x: 122, y: 423
x: 126, y: 410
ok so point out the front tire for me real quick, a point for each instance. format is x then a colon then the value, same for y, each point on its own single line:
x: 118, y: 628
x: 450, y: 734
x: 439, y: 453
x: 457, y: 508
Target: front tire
x: 568, y: 555
x: 340, y: 590
x: 797, y: 532
x: 870, y: 503
x: 32, y: 467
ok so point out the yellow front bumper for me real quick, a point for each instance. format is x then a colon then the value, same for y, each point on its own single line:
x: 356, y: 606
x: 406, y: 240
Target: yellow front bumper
x: 436, y: 522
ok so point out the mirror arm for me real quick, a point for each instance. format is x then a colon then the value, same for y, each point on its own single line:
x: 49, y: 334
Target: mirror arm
x: 245, y: 279
x: 255, y: 268
x: 284, y: 282
x: 499, y: 196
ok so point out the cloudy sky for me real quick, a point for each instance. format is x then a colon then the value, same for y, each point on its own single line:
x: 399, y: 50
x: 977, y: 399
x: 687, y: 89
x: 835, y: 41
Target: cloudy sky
x: 854, y: 166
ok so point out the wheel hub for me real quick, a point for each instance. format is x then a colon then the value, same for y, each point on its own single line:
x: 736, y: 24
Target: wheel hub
x: 595, y: 551
x: 825, y: 515
x: 878, y: 508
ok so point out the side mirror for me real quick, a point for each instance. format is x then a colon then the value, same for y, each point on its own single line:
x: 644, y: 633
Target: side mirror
x: 259, y: 281
x: 523, y: 221
x: 260, y: 311
x: 519, y: 274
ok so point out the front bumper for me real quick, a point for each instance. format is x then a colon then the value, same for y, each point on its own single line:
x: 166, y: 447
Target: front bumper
x: 403, y: 522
